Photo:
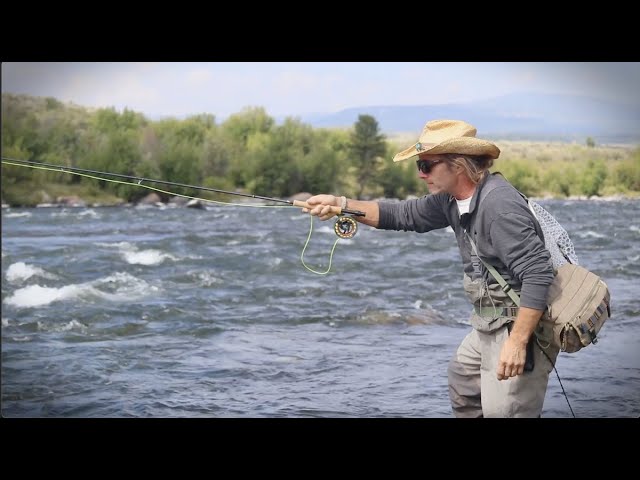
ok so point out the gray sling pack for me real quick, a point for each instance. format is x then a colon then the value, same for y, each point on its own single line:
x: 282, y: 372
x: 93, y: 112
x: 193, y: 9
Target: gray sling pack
x: 578, y: 303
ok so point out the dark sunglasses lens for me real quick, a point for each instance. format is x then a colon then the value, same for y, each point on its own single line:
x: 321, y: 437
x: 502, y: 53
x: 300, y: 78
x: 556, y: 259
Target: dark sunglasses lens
x: 424, y: 166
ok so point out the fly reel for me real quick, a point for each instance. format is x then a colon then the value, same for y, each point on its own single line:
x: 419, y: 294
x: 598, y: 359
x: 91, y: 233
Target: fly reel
x: 345, y: 227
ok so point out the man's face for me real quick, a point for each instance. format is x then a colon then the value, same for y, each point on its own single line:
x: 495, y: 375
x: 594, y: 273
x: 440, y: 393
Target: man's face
x: 436, y: 172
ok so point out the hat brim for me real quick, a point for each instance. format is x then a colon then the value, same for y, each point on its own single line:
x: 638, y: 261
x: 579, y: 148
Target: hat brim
x: 462, y: 145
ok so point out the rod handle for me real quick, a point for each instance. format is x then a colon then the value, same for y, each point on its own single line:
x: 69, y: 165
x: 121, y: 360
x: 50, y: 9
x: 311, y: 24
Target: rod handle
x: 300, y: 203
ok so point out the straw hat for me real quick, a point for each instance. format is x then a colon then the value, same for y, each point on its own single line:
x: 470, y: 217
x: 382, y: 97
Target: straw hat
x: 449, y: 136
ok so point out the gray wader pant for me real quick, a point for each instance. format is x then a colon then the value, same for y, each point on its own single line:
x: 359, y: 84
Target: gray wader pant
x: 474, y: 388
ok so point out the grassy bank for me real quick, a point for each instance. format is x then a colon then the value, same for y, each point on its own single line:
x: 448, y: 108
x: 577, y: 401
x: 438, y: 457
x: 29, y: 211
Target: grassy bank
x: 564, y: 170
x: 29, y: 193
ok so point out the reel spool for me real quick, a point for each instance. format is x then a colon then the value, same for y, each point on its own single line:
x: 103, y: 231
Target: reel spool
x: 345, y: 227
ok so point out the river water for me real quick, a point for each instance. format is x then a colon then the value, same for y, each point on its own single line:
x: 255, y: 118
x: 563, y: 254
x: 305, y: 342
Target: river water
x: 161, y: 312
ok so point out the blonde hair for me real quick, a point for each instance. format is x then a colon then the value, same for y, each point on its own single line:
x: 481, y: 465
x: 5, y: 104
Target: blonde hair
x: 475, y: 166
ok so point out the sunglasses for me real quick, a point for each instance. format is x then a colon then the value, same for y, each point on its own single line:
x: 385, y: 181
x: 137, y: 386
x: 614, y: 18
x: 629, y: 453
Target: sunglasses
x: 425, y: 166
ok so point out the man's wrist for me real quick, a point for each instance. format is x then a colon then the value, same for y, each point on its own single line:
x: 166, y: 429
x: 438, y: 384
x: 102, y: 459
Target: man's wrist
x: 343, y: 202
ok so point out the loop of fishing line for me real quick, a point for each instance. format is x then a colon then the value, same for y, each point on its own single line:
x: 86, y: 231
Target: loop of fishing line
x: 346, y: 232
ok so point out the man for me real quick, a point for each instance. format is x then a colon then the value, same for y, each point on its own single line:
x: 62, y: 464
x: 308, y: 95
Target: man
x: 487, y: 375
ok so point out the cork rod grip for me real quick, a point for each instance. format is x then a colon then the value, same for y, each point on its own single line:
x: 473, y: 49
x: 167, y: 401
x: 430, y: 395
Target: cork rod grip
x: 300, y: 203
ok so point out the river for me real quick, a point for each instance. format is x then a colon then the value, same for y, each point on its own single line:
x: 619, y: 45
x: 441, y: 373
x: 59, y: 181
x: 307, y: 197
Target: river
x: 177, y: 312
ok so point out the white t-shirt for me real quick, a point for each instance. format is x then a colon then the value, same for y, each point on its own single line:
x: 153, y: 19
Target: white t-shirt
x: 463, y: 205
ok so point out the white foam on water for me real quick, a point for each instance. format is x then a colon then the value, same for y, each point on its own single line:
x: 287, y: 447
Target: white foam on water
x: 20, y: 271
x: 64, y: 327
x: 146, y: 257
x: 62, y: 213
x: 208, y: 279
x: 114, y: 245
x: 89, y: 213
x: 37, y: 296
x: 134, y: 256
x: 274, y: 261
x: 124, y: 288
x: 17, y: 214
x: 591, y: 233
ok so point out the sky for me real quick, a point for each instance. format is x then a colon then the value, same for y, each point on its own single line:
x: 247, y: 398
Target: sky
x: 289, y: 89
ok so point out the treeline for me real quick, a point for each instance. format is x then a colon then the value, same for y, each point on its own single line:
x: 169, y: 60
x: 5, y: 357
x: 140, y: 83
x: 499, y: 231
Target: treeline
x: 248, y: 152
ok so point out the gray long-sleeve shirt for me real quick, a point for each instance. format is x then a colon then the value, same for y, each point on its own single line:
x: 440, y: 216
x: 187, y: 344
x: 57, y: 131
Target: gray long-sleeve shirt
x: 502, y: 226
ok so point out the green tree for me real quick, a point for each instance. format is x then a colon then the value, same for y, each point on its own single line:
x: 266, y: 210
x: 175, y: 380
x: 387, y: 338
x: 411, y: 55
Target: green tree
x: 251, y: 120
x: 52, y: 103
x: 236, y: 132
x: 194, y: 129
x: 216, y: 156
x: 270, y: 165
x: 397, y: 180
x: 119, y: 153
x: 320, y: 170
x: 367, y: 145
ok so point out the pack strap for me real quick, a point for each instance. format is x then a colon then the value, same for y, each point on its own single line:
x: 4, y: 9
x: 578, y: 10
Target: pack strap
x: 503, y: 283
x: 493, y: 312
x: 595, y: 318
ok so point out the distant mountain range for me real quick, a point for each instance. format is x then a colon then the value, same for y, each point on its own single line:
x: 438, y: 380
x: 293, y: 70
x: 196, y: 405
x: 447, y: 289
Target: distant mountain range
x: 510, y: 117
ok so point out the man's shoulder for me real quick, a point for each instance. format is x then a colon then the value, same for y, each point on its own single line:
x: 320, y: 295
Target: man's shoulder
x: 496, y: 185
x: 496, y: 180
x: 498, y: 194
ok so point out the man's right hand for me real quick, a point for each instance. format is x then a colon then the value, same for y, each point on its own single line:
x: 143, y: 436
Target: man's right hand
x: 322, y: 206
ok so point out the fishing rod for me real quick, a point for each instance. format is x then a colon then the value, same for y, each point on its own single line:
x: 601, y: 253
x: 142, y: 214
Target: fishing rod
x: 345, y: 227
